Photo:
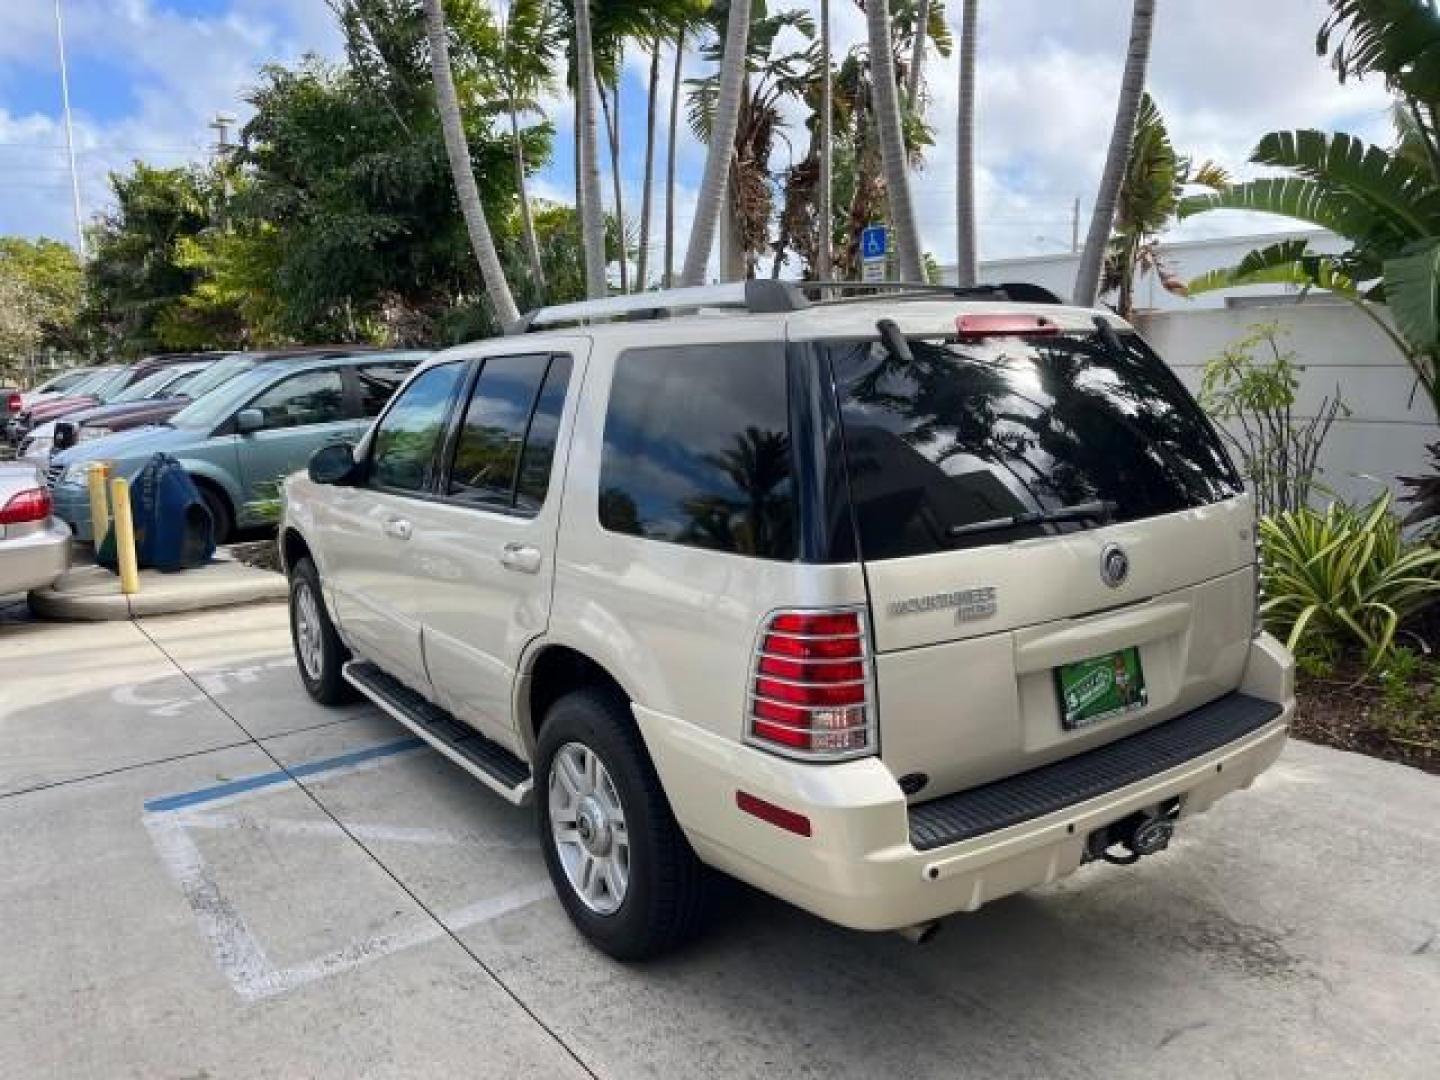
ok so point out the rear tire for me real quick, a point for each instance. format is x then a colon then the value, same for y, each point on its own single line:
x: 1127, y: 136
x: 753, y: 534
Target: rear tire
x: 221, y: 520
x: 319, y: 653
x: 663, y: 901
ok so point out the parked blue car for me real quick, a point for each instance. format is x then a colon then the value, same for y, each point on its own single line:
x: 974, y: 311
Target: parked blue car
x: 239, y: 439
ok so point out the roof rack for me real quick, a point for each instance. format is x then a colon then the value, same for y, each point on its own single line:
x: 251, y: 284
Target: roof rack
x: 765, y: 296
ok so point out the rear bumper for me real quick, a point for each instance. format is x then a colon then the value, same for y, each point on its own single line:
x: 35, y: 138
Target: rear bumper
x: 34, y: 561
x: 873, y: 863
x: 72, y: 506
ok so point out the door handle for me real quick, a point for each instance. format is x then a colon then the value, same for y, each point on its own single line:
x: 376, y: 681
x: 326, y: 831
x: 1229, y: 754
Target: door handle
x: 399, y: 528
x: 522, y: 558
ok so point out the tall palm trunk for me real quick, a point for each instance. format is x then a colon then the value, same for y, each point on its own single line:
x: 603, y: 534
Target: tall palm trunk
x: 892, y: 141
x: 612, y: 135
x: 670, y: 160
x: 825, y: 226
x: 527, y: 217
x: 1132, y: 87
x: 592, y: 212
x: 458, y: 150
x: 917, y: 52
x: 966, y: 241
x: 722, y: 145
x: 642, y: 267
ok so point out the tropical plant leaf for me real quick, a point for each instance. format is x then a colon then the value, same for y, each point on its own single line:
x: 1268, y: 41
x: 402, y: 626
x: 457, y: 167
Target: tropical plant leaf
x: 1289, y: 262
x: 1391, y: 185
x: 1400, y: 39
x: 1412, y: 288
x: 1305, y: 200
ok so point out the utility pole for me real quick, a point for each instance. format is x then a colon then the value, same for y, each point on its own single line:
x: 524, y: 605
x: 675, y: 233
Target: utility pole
x: 1075, y: 226
x: 221, y: 126
x: 69, y: 133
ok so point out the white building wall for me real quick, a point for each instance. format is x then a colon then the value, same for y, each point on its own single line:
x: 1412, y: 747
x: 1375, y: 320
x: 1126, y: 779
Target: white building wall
x: 1385, y: 435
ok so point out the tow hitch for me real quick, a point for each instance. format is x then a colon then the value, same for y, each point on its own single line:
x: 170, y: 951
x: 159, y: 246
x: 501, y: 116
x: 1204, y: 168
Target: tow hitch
x: 1142, y: 833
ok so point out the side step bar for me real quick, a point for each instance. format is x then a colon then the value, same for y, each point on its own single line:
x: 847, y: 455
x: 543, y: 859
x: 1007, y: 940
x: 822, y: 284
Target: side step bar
x: 487, y: 761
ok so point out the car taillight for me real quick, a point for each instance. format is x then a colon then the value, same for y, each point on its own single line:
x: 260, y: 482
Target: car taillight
x: 27, y: 506
x: 13, y: 403
x: 811, y: 692
x: 989, y: 323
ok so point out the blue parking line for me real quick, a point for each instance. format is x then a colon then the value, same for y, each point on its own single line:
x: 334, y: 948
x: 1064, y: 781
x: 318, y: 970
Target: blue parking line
x: 250, y: 783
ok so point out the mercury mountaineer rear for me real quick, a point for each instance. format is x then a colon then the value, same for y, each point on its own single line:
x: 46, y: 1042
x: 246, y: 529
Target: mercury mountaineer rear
x: 889, y: 605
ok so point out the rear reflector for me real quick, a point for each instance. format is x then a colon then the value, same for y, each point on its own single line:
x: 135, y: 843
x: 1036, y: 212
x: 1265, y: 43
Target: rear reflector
x: 26, y: 507
x: 788, y: 820
x: 810, y: 691
x: 982, y: 324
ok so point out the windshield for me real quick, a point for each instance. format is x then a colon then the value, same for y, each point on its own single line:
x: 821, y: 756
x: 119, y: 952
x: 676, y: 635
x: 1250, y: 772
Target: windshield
x: 213, y: 375
x: 63, y: 382
x: 110, y: 388
x: 146, y: 387
x: 87, y: 386
x: 1001, y: 439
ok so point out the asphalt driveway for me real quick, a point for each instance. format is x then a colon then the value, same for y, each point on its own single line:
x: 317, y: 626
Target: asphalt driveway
x: 205, y: 875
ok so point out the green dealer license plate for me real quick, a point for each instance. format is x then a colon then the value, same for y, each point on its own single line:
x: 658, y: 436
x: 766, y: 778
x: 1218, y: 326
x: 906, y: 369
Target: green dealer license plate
x: 1100, y: 688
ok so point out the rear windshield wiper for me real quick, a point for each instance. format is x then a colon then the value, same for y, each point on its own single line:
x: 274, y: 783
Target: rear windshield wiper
x: 1098, y: 510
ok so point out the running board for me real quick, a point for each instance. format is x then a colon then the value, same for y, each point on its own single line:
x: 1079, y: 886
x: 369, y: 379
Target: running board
x: 487, y: 761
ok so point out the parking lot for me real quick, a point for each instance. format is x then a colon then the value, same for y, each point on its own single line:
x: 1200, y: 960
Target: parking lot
x: 208, y: 876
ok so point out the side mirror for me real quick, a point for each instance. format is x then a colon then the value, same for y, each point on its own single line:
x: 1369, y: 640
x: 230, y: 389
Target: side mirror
x: 333, y: 464
x: 248, y: 420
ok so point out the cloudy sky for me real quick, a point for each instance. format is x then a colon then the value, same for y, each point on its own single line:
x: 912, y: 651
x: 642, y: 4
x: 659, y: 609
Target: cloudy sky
x: 147, y: 76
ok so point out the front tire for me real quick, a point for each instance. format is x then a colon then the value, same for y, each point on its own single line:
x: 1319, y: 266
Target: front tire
x: 319, y: 653
x: 222, y: 522
x: 618, y: 860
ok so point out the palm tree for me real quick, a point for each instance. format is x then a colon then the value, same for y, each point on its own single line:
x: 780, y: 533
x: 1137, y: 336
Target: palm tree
x: 1385, y: 202
x: 1156, y: 176
x: 458, y: 150
x: 642, y: 266
x: 528, y: 48
x: 917, y: 54
x: 892, y: 140
x: 1132, y: 85
x: 722, y: 142
x: 825, y: 229
x: 966, y: 241
x: 674, y: 125
x: 592, y: 211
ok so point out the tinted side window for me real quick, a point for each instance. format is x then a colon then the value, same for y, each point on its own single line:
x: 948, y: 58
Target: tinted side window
x: 406, y: 439
x: 488, y: 450
x: 316, y: 397
x: 539, y: 453
x: 697, y: 449
x: 377, y: 384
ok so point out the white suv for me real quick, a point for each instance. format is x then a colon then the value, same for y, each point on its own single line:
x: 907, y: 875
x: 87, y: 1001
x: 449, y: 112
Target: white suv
x: 889, y: 606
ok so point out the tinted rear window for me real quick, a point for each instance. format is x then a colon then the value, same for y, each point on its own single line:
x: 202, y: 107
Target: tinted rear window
x: 979, y: 431
x: 697, y: 449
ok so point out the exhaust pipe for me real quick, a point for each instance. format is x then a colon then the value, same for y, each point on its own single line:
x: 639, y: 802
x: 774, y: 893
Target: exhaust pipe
x: 920, y: 933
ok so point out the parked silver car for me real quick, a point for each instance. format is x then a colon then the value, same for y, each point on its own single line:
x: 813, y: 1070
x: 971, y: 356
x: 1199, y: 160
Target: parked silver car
x: 34, y: 544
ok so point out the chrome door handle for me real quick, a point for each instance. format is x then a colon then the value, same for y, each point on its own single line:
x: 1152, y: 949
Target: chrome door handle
x: 399, y: 528
x: 520, y: 557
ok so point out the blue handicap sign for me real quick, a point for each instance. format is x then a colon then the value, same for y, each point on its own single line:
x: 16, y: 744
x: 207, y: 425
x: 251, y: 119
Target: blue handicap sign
x: 872, y: 242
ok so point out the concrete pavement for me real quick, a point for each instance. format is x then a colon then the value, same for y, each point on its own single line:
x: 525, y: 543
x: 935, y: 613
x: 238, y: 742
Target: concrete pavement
x: 206, y: 875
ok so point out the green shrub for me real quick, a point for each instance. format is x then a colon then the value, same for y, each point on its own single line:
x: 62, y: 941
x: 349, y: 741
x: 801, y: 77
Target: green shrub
x: 1343, y: 578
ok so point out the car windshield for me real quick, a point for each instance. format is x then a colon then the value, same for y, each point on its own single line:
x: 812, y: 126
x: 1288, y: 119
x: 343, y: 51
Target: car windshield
x: 112, y: 387
x: 63, y: 382
x: 1006, y: 438
x: 147, y: 387
x: 88, y: 385
x: 216, y: 374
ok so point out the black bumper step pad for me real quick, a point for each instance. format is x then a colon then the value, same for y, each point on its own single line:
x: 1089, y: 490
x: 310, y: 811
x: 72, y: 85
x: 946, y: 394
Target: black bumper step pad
x: 490, y: 757
x: 1033, y: 794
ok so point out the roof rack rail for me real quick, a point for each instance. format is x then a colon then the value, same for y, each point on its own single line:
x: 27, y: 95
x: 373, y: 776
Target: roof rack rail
x: 763, y: 296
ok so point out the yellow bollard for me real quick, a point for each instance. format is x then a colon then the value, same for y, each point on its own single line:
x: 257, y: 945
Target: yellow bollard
x: 99, y: 504
x: 124, y: 536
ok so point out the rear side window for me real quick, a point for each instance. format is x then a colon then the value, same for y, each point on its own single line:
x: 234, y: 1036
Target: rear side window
x: 697, y: 449
x: 407, y: 438
x: 378, y: 383
x: 943, y: 453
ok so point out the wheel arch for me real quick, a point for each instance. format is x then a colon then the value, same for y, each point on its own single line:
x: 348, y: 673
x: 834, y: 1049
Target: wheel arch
x: 549, y: 670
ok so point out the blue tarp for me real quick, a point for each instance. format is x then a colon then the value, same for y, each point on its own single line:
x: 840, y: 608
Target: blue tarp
x: 173, y: 530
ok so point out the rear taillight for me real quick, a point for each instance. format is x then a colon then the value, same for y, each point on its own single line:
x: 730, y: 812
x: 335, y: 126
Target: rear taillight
x: 13, y: 403
x: 811, y: 693
x: 27, y: 506
x: 989, y: 323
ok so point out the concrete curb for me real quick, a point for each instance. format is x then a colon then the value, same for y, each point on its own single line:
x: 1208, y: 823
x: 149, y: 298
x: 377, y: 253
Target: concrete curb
x: 92, y: 593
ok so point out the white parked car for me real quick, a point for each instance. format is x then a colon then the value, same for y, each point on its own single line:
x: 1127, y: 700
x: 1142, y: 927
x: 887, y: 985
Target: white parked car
x: 34, y: 545
x: 889, y: 605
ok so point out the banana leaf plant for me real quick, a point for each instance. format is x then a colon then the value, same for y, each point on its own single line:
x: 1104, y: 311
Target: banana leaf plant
x: 1385, y: 202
